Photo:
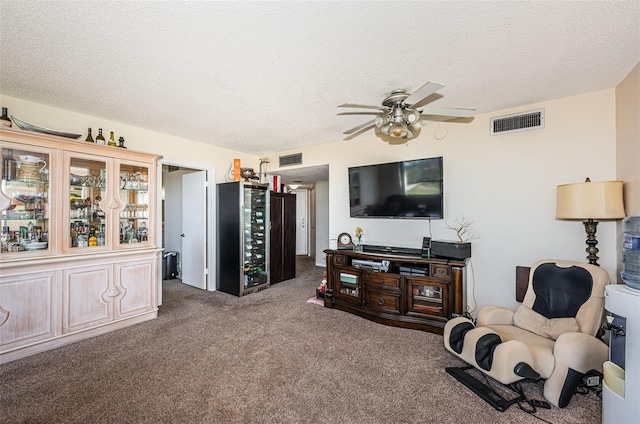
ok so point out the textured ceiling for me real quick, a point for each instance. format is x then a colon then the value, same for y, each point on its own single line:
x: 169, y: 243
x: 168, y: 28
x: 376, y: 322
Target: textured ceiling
x: 265, y: 77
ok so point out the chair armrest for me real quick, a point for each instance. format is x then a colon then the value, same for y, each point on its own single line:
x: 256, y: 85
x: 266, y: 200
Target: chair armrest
x: 495, y: 315
x: 580, y: 352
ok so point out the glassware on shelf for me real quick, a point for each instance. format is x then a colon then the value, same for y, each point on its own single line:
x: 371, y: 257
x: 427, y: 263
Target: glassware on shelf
x: 87, y: 181
x: 26, y: 210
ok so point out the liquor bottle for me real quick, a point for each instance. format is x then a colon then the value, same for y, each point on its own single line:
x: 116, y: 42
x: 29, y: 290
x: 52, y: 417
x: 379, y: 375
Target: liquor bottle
x: 112, y: 141
x: 4, y: 119
x: 100, y: 138
x: 93, y: 240
x: 89, y: 136
x: 100, y: 236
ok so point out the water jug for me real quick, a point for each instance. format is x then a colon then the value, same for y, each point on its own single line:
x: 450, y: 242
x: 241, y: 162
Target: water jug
x: 631, y: 252
x: 30, y: 168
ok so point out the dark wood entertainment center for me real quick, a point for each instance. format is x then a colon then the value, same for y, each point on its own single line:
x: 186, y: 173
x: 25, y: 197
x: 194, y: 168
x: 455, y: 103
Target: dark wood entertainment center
x: 414, y: 292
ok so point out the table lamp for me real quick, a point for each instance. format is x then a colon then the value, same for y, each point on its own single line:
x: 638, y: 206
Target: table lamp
x: 590, y: 201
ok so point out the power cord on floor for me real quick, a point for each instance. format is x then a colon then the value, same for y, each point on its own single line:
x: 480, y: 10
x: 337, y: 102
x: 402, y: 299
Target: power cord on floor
x: 470, y: 310
x: 592, y: 382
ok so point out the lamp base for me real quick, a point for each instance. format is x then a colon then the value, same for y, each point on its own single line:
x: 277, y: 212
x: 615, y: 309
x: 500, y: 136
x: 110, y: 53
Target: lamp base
x: 590, y: 227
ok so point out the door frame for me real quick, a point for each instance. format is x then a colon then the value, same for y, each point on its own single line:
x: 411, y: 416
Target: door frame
x: 210, y: 215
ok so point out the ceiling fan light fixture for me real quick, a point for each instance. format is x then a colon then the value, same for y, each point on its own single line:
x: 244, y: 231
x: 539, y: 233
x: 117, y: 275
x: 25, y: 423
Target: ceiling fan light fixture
x: 398, y: 130
x: 411, y: 116
x: 398, y: 117
x: 381, y: 120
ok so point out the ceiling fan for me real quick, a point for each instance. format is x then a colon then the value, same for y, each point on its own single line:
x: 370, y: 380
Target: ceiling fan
x: 401, y: 114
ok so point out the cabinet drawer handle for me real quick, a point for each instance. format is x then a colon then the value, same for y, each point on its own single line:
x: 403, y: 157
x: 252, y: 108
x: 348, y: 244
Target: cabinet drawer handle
x: 113, y: 292
x: 380, y: 302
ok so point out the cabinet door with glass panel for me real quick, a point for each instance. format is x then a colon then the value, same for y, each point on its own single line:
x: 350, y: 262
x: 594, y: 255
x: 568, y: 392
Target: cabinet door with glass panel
x: 25, y: 201
x: 90, y: 201
x: 134, y: 180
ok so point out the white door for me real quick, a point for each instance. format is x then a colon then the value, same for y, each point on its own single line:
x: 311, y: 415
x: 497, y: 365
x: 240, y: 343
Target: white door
x: 302, y: 222
x: 194, y: 229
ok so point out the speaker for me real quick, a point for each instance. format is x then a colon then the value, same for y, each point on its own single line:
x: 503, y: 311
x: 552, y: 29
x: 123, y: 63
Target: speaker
x: 451, y: 249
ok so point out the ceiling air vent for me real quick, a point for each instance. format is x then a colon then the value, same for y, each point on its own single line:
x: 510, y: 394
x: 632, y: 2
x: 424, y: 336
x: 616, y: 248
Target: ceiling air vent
x: 295, y: 159
x: 532, y: 120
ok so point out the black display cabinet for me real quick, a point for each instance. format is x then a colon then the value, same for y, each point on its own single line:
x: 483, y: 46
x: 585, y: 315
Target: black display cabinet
x: 243, y: 237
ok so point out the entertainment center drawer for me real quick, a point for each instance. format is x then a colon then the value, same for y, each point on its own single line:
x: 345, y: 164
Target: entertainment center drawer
x: 339, y: 260
x: 383, y: 302
x: 382, y: 281
x: 440, y: 271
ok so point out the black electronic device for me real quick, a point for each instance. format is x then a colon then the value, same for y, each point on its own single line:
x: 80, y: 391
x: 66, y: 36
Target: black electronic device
x: 451, y: 249
x: 391, y: 250
x: 409, y: 189
x: 426, y: 247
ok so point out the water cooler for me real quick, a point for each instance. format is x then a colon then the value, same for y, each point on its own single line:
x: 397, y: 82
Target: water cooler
x: 621, y: 385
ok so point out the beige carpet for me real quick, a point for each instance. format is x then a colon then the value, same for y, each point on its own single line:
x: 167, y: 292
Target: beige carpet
x: 269, y: 357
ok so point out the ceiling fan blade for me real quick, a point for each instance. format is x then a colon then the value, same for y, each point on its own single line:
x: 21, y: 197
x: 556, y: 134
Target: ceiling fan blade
x: 448, y: 111
x: 364, y: 106
x: 357, y: 133
x: 423, y: 92
x: 361, y: 127
x: 360, y: 113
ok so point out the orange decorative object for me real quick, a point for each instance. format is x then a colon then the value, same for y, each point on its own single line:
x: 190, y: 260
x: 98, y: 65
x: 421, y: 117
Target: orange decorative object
x: 236, y: 170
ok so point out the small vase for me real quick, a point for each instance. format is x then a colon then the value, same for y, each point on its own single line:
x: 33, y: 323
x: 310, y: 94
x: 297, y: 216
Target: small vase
x: 357, y: 245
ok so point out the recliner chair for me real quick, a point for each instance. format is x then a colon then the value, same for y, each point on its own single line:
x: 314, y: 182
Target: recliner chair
x: 552, y: 335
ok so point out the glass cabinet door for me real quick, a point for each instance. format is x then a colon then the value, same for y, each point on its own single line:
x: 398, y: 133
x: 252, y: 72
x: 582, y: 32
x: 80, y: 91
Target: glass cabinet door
x: 87, y: 193
x: 134, y: 193
x: 427, y: 297
x: 255, y: 235
x: 25, y: 205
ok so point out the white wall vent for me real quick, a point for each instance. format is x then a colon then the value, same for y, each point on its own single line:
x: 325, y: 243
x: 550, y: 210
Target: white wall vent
x: 532, y: 120
x: 295, y: 159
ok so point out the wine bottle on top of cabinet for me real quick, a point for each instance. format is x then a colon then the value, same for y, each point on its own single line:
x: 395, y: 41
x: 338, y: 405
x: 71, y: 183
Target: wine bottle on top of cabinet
x: 89, y: 136
x: 100, y: 138
x: 4, y: 119
x: 112, y: 140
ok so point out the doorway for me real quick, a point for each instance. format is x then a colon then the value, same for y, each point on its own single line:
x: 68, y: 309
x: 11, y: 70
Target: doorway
x: 188, y: 224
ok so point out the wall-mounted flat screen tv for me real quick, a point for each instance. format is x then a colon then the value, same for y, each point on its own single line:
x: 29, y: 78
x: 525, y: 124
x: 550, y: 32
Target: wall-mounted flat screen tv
x: 411, y: 189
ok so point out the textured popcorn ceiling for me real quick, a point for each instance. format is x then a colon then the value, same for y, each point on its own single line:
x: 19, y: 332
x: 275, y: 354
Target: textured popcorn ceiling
x: 264, y: 77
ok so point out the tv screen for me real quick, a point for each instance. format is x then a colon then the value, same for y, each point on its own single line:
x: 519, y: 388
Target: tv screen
x: 409, y: 189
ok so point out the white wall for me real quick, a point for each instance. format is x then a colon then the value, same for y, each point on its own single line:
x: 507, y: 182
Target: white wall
x: 506, y: 184
x: 322, y: 222
x: 174, y: 149
x: 628, y: 144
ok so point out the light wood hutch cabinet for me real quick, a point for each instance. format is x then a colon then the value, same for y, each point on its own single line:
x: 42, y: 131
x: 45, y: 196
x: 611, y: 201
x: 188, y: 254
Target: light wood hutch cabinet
x: 78, y: 255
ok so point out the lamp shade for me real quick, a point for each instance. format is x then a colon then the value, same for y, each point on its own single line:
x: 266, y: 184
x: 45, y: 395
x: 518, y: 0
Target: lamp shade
x: 600, y: 200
